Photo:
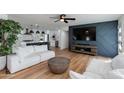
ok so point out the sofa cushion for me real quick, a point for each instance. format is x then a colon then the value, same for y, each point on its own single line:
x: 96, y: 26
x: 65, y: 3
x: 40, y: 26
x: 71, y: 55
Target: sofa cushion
x: 90, y: 75
x: 85, y: 75
x: 118, y: 62
x: 47, y: 55
x: 99, y: 67
x: 33, y: 54
x: 32, y: 59
x: 25, y: 51
x: 40, y: 48
x: 45, y: 47
x: 115, y: 74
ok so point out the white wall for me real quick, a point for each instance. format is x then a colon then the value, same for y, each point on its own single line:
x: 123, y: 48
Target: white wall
x: 3, y: 16
x: 121, y: 25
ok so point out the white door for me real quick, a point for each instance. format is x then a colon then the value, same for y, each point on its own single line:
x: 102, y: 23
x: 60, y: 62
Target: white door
x: 64, y: 39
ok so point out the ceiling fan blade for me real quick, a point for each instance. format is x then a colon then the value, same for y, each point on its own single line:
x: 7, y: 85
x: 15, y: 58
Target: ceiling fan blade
x: 65, y: 21
x: 53, y: 17
x: 70, y: 18
x: 57, y: 20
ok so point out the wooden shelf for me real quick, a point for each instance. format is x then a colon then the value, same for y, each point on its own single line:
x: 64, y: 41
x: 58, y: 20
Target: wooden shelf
x: 85, y: 48
x: 85, y: 52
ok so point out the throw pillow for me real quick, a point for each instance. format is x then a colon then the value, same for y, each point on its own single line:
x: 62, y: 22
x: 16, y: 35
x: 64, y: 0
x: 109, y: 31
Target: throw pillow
x: 74, y: 75
x: 115, y: 74
x: 118, y: 62
x: 99, y: 67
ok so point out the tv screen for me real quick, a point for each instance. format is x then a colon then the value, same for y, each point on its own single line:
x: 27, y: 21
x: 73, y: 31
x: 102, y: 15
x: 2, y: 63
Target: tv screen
x: 85, y: 34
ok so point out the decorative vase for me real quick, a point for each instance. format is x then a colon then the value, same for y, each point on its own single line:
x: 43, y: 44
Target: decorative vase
x: 87, y: 38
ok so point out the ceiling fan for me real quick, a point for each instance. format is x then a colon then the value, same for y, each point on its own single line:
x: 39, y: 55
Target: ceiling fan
x: 62, y: 18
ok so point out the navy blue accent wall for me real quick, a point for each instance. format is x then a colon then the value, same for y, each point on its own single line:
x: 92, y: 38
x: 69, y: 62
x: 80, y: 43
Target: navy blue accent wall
x: 106, y: 38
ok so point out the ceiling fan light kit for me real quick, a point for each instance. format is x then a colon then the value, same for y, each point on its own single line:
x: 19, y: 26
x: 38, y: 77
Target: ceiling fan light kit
x: 62, y: 18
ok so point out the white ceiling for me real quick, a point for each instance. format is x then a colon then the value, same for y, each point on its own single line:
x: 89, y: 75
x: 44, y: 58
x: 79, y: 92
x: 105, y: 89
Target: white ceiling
x: 44, y: 20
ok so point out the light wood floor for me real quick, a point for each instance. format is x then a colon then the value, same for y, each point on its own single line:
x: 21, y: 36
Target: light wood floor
x: 78, y: 63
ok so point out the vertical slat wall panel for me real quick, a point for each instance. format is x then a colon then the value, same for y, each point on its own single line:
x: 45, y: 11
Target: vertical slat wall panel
x: 106, y: 38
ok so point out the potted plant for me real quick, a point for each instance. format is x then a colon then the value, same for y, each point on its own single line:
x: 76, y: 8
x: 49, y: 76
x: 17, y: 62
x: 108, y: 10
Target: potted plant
x: 9, y: 30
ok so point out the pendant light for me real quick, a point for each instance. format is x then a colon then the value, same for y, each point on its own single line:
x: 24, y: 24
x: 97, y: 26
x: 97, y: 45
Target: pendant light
x: 31, y: 31
x: 37, y: 32
x: 43, y: 32
x: 26, y: 31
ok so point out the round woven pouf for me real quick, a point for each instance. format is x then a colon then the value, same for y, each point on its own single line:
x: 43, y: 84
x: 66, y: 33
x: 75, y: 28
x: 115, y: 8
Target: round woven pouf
x: 58, y: 65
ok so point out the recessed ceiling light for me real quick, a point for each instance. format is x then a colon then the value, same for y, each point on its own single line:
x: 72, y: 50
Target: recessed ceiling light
x: 36, y: 24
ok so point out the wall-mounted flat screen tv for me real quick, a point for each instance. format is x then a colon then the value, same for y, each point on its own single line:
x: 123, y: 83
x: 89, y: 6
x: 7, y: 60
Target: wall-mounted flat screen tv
x: 85, y: 34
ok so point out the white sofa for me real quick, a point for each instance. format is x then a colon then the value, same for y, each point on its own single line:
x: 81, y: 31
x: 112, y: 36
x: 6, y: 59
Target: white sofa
x: 28, y: 56
x: 98, y: 69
